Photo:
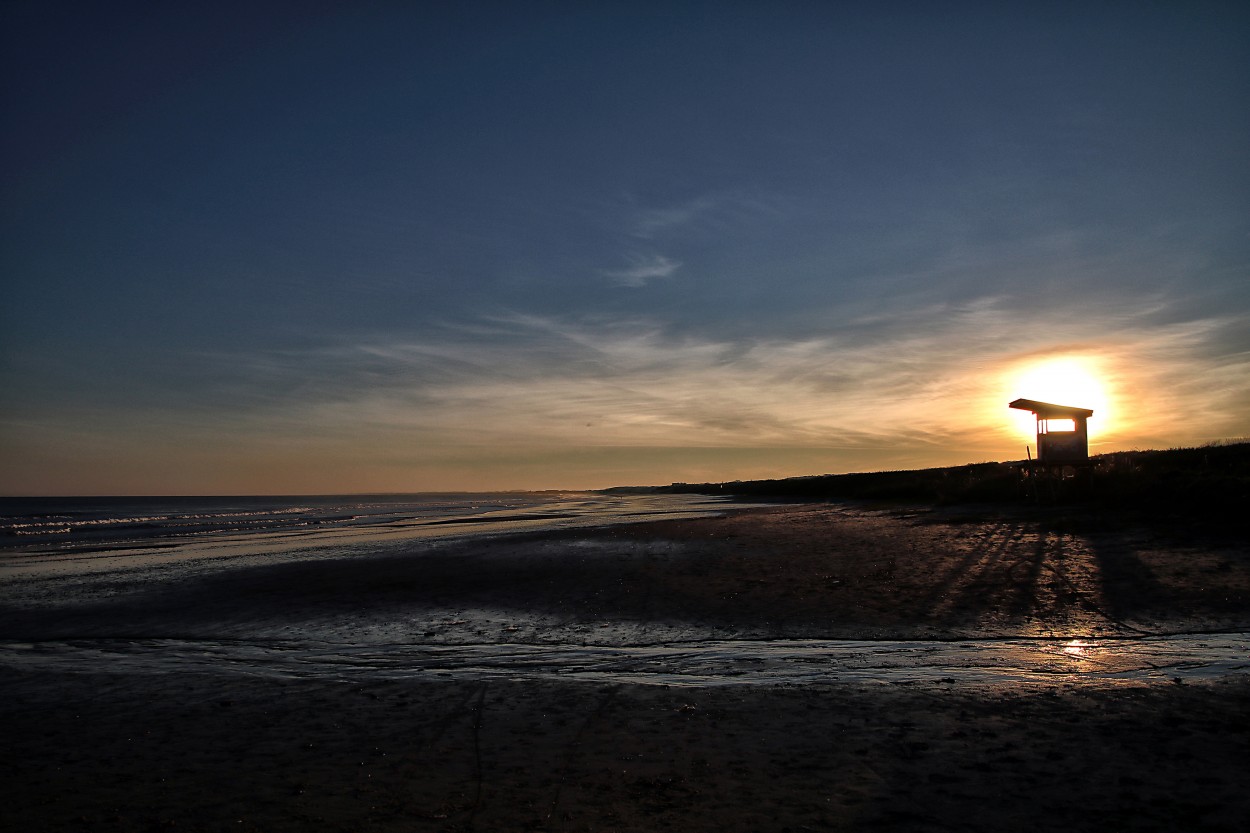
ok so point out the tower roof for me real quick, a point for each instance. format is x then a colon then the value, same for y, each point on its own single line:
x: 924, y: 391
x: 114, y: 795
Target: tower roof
x: 1045, y: 410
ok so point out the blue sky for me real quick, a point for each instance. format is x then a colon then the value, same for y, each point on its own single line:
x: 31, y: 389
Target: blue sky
x: 387, y: 246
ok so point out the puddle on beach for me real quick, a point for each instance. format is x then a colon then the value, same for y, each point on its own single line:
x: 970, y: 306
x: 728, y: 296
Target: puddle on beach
x: 704, y: 663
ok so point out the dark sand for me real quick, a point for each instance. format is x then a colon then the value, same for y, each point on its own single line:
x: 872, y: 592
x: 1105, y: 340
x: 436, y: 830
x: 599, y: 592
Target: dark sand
x: 190, y: 750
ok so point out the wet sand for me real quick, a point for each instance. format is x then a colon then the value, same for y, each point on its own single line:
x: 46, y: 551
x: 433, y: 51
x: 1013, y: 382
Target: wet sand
x: 100, y: 746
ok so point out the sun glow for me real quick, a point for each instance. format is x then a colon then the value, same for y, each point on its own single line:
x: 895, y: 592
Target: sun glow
x: 1066, y: 380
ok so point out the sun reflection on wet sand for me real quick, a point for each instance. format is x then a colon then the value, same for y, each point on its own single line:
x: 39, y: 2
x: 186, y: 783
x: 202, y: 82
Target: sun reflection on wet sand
x: 1078, y: 648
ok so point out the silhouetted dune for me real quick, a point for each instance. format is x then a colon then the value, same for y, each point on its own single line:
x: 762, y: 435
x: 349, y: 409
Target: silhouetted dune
x: 1210, y: 481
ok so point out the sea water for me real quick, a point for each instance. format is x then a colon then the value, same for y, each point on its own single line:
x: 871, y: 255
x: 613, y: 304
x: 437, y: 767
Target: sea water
x: 86, y: 531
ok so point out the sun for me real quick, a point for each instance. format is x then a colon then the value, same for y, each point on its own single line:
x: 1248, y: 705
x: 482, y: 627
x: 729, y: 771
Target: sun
x: 1061, y: 380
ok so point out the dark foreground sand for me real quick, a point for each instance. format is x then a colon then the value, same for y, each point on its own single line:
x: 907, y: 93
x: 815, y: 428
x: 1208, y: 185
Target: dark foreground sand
x: 226, y: 751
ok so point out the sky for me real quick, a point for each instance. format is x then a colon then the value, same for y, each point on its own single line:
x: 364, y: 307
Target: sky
x: 287, y: 248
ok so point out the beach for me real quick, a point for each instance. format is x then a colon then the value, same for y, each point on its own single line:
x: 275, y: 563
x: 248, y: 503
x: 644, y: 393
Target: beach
x: 792, y: 667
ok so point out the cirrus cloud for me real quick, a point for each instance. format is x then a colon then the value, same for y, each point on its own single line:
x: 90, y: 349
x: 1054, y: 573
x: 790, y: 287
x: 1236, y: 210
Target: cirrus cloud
x: 643, y: 269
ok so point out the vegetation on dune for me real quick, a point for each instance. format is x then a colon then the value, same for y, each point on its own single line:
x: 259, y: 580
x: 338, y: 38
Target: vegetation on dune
x: 1209, y: 481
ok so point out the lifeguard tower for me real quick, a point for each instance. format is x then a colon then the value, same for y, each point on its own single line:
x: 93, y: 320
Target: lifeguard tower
x: 1062, y: 437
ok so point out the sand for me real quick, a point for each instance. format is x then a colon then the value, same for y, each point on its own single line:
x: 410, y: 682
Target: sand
x: 192, y: 747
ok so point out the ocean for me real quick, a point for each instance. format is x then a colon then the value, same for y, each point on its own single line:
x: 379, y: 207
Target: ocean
x: 63, y: 531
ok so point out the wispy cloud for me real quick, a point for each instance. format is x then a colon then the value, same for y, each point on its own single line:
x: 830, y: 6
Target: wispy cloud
x: 715, y: 212
x: 937, y: 379
x: 656, y: 221
x: 929, y: 388
x: 895, y: 388
x: 644, y: 269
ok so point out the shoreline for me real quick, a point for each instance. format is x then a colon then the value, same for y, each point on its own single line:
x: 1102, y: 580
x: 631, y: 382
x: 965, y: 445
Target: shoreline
x: 1035, y: 663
